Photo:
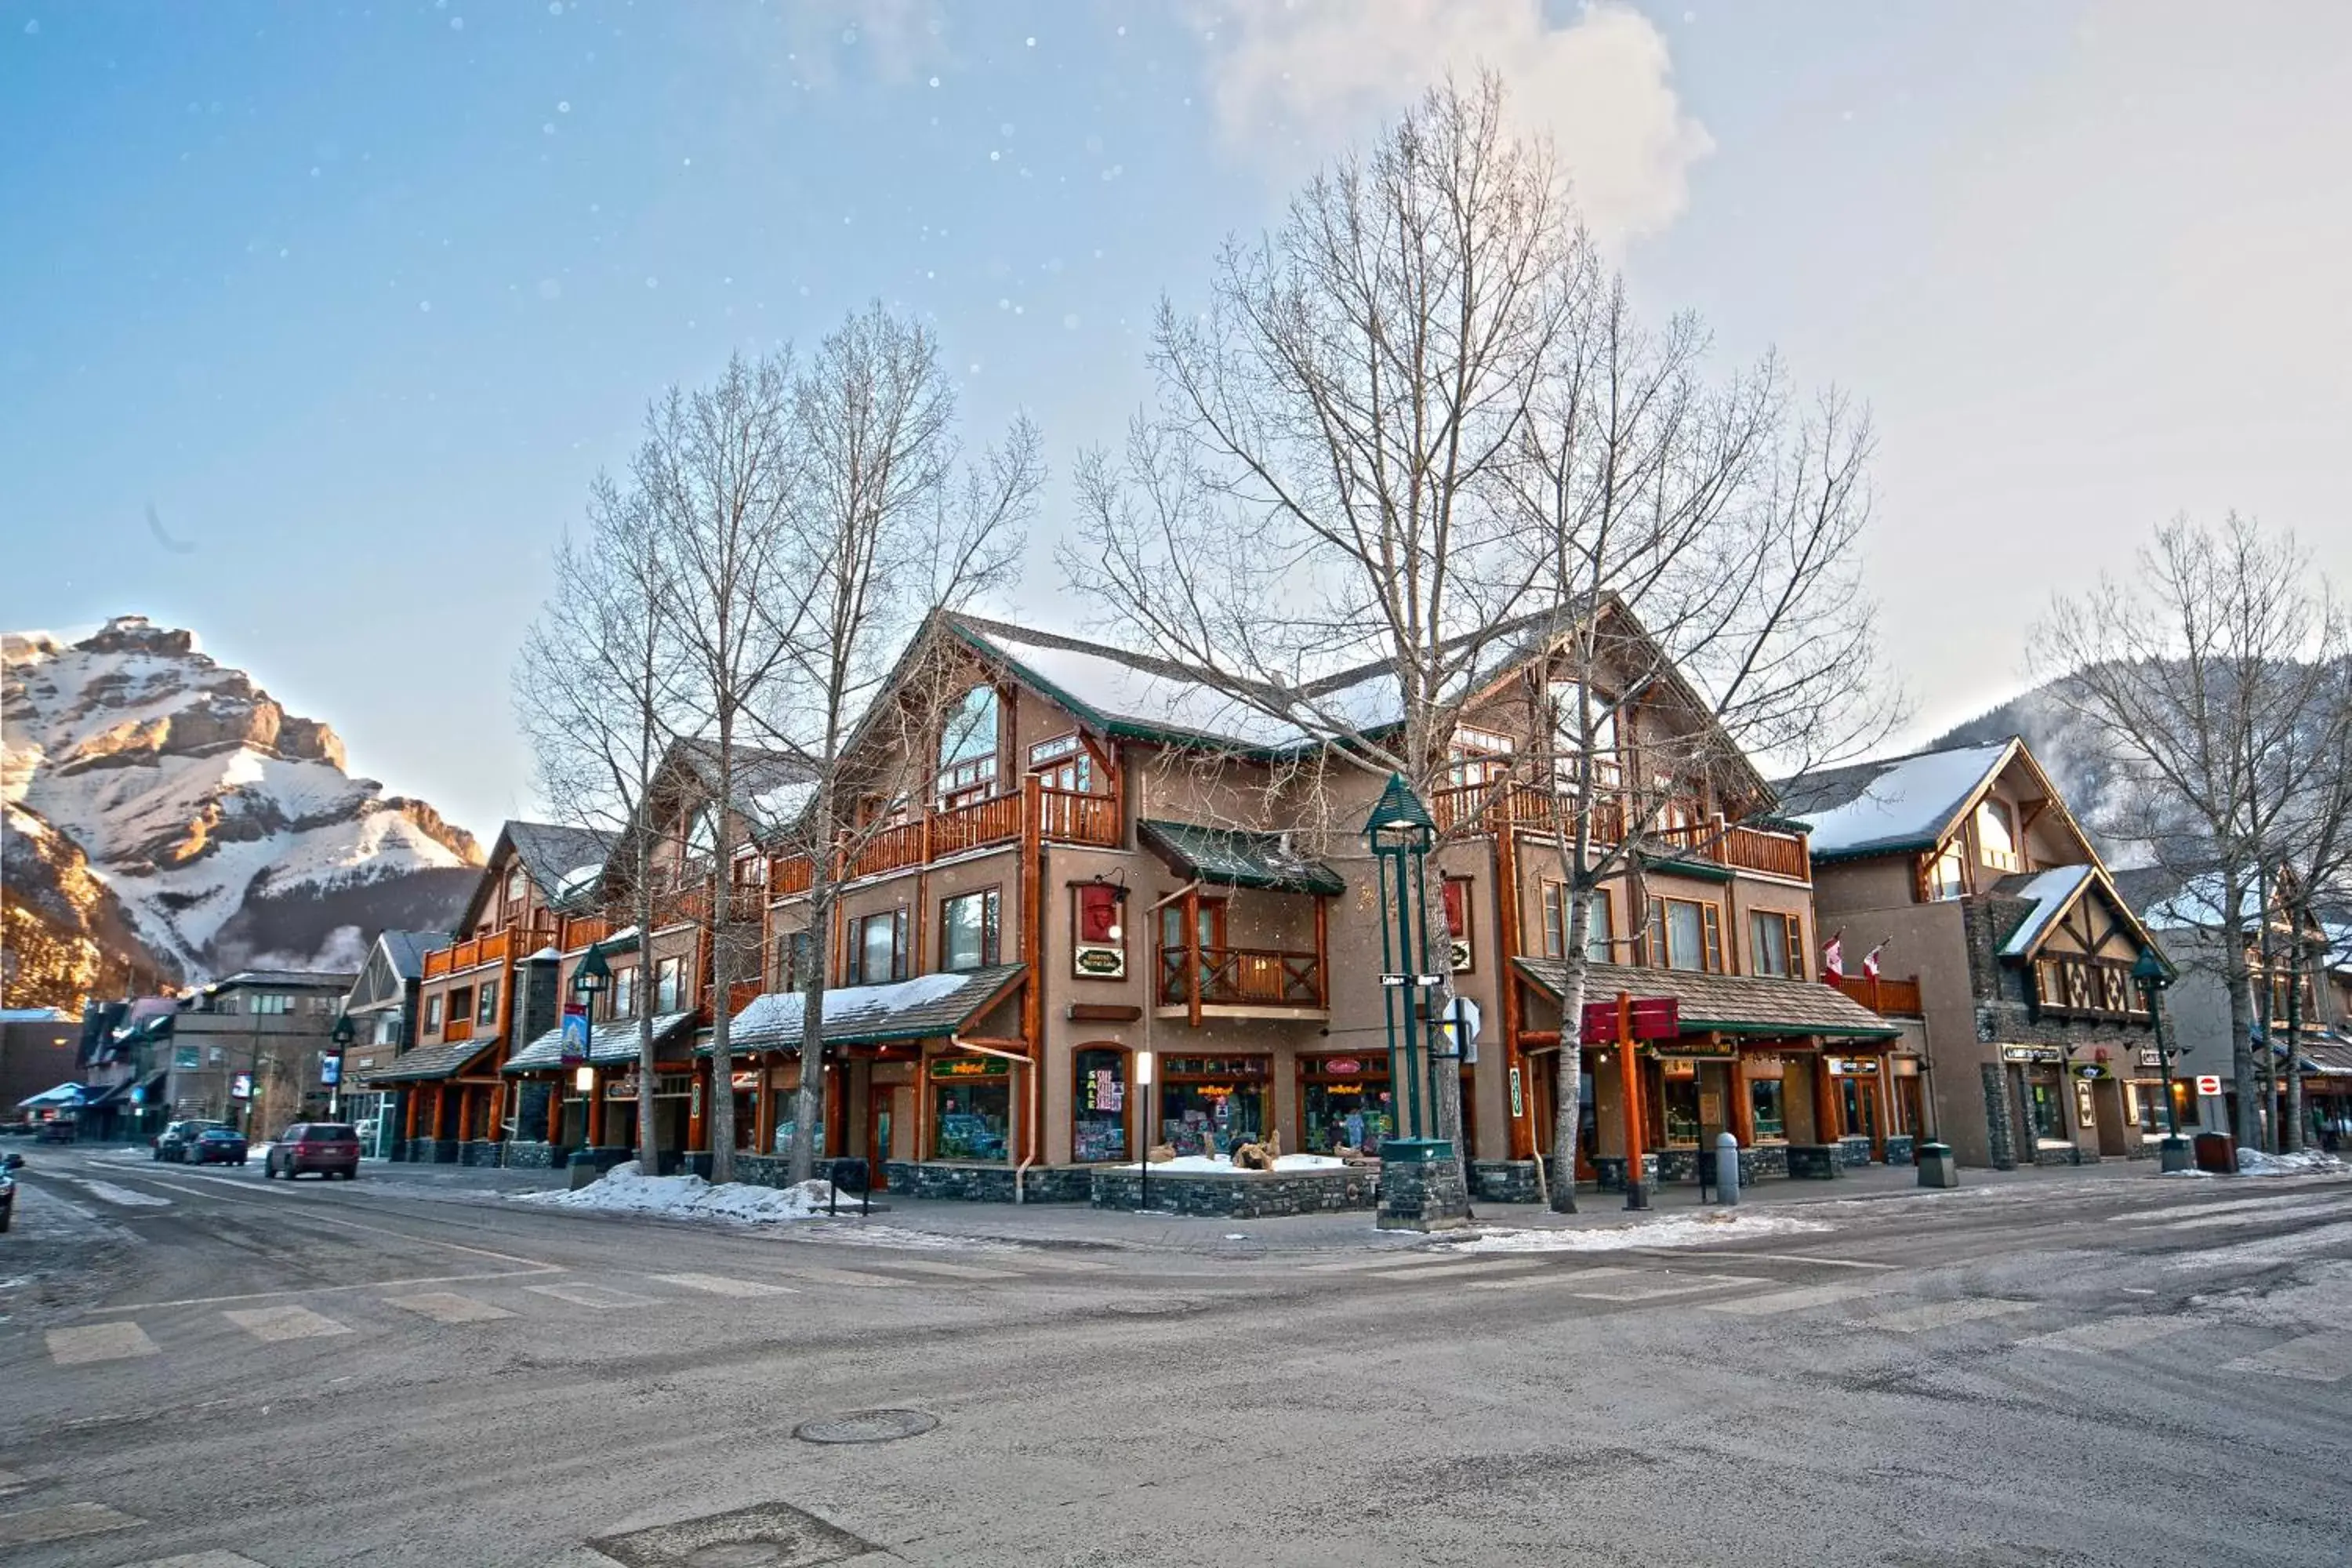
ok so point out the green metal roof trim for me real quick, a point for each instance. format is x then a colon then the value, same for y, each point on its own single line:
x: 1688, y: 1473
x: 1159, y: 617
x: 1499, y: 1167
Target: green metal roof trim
x: 1726, y: 1004
x: 1238, y: 858
x: 1697, y: 870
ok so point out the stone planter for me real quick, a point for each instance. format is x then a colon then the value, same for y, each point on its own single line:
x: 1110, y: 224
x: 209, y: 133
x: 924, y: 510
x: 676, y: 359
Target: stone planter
x: 1853, y: 1153
x: 1241, y: 1195
x: 1899, y: 1150
x: 523, y: 1156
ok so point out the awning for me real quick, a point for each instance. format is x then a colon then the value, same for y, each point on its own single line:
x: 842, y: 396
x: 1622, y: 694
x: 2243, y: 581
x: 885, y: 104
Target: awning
x: 1724, y: 1004
x: 63, y: 1097
x: 435, y: 1063
x: 1237, y: 857
x: 610, y: 1044
x: 926, y: 1007
x: 2327, y: 1057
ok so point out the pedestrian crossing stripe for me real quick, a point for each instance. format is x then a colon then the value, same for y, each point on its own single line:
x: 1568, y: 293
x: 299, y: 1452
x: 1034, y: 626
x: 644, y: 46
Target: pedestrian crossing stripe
x: 1801, y: 1300
x: 99, y: 1341
x: 1941, y: 1314
x: 68, y: 1521
x: 719, y: 1285
x: 448, y: 1307
x: 273, y: 1323
x: 200, y: 1560
x: 949, y: 1270
x: 1440, y: 1269
x: 2110, y: 1334
x: 602, y: 1297
x: 845, y: 1277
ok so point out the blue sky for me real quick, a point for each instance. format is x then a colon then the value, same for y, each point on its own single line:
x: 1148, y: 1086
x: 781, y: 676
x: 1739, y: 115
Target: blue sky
x: 359, y: 297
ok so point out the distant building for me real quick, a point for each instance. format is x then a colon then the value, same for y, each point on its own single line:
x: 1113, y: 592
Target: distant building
x: 382, y: 1008
x: 243, y: 1050
x: 37, y: 1052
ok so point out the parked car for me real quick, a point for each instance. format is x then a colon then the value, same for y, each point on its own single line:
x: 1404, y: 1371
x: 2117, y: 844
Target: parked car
x: 174, y: 1141
x: 217, y: 1146
x: 328, y: 1148
x: 9, y: 1165
x: 58, y: 1131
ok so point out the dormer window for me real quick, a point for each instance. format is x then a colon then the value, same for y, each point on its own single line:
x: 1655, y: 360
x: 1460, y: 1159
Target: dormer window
x: 1997, y: 837
x: 515, y: 884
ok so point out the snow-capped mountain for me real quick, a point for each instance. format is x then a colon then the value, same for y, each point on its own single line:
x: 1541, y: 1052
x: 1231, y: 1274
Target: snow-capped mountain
x: 224, y: 829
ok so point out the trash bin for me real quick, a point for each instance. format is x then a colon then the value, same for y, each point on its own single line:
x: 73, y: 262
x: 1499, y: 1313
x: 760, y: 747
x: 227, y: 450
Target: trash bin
x: 2173, y: 1154
x: 581, y: 1168
x: 849, y: 1174
x: 1936, y: 1166
x: 2218, y: 1152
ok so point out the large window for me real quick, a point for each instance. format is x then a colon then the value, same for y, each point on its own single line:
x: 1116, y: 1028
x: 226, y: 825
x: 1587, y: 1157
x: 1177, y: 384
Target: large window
x: 1345, y: 1102
x: 485, y: 1005
x: 270, y: 1005
x: 433, y: 1014
x: 1064, y: 764
x: 967, y: 930
x: 1685, y: 935
x: 968, y: 748
x: 1098, y: 1106
x: 795, y: 960
x: 877, y: 947
x: 1997, y: 837
x: 971, y: 1108
x: 1210, y: 1104
x: 1598, y: 931
x: 1776, y: 945
x: 625, y: 992
x: 669, y: 984
x: 1947, y: 875
x: 1567, y: 739
x: 1768, y: 1109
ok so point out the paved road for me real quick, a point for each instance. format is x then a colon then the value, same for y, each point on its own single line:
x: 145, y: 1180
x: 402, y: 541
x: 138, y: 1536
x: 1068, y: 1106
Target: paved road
x: 203, y: 1369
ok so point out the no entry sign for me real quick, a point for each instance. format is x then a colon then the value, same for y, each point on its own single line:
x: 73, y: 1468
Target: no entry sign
x: 2208, y: 1083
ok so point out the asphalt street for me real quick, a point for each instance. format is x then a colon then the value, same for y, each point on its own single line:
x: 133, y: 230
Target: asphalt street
x: 201, y: 1368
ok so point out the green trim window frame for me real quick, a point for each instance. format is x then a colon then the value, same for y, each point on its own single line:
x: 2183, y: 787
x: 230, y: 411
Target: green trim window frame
x: 1687, y: 936
x: 969, y: 929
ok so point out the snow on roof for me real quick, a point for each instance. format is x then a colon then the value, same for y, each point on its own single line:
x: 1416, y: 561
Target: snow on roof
x: 1896, y: 802
x: 1114, y: 686
x: 2051, y: 891
x: 924, y: 1006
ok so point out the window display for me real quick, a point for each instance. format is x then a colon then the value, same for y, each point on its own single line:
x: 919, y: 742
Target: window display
x: 1098, y: 1106
x: 1344, y: 1103
x: 971, y: 1108
x: 1210, y: 1104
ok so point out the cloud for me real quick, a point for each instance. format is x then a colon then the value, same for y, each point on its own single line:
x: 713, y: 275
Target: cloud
x: 1600, y: 85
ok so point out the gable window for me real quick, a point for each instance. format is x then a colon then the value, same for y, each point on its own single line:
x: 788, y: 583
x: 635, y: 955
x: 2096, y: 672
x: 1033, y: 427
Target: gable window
x: 387, y: 1028
x: 1947, y: 875
x: 1479, y: 756
x: 1776, y: 945
x: 877, y: 947
x: 1064, y: 764
x: 623, y: 992
x: 669, y: 984
x: 1685, y: 934
x: 1997, y: 835
x: 968, y: 749
x: 1567, y: 739
x: 1457, y: 922
x: 486, y: 1003
x: 516, y: 883
x: 967, y: 930
x: 272, y: 1005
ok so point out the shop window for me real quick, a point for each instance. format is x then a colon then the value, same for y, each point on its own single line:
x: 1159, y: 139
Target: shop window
x: 1997, y: 837
x: 795, y: 960
x: 1768, y: 1109
x: 878, y: 946
x: 623, y: 992
x: 387, y: 1029
x: 669, y: 985
x: 1099, y: 951
x: 971, y: 1108
x: 1776, y: 945
x: 1098, y: 1106
x: 485, y: 1005
x: 1679, y: 1102
x: 1685, y: 935
x: 1457, y: 922
x: 967, y: 930
x: 1209, y: 1105
x: 1345, y: 1102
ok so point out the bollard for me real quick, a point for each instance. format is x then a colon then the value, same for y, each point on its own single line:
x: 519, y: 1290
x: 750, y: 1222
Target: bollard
x: 1727, y: 1168
x: 1936, y: 1166
x: 581, y: 1169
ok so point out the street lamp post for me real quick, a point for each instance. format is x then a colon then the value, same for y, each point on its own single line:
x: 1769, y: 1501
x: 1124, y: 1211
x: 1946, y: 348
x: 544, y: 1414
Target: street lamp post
x: 1422, y: 1185
x: 2152, y: 975
x: 340, y: 1036
x: 588, y: 983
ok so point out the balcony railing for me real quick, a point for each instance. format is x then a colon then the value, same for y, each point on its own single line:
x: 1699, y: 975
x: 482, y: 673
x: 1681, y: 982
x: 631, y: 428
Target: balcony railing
x: 456, y: 1029
x: 1240, y: 977
x: 1064, y: 816
x: 469, y: 954
x: 1888, y: 998
x: 1485, y: 808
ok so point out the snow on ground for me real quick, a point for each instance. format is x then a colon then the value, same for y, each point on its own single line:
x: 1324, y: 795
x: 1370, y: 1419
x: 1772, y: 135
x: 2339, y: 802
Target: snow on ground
x: 2304, y: 1163
x: 1678, y: 1230
x: 1218, y: 1166
x: 121, y: 1197
x: 622, y: 1190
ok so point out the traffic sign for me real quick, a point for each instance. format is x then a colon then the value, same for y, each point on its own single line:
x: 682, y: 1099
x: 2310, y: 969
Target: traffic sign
x: 2208, y: 1083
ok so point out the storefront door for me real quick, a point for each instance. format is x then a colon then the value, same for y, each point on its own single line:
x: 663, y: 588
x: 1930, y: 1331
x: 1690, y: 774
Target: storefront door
x: 881, y: 1105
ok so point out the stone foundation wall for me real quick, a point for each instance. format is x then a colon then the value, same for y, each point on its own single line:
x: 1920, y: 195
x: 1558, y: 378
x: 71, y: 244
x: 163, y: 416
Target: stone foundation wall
x: 1609, y: 1171
x: 989, y: 1184
x: 1900, y: 1149
x: 2000, y: 1128
x: 1814, y: 1162
x: 526, y: 1156
x: 1764, y: 1160
x: 1505, y: 1182
x: 478, y: 1152
x: 1853, y: 1153
x: 1420, y: 1193
x: 2071, y: 1156
x: 1244, y: 1196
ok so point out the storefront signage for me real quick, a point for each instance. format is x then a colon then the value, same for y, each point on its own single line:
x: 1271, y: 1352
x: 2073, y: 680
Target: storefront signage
x: 2152, y: 1057
x: 1854, y: 1067
x: 2031, y: 1054
x: 1101, y: 962
x: 2090, y: 1070
x: 1342, y: 1066
x: 2208, y: 1083
x: 741, y: 1079
x: 621, y: 1087
x: 969, y: 1067
x: 1219, y: 1066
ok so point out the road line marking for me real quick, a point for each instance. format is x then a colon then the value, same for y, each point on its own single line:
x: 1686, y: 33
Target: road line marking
x: 99, y: 1341
x: 448, y: 1307
x: 719, y: 1285
x: 65, y: 1523
x: 1793, y: 1300
x: 2110, y: 1334
x: 1778, y: 1257
x: 539, y: 1273
x: 1941, y: 1314
x: 600, y: 1297
x: 286, y: 1194
x: 271, y: 1323
x: 1682, y: 1285
x: 2235, y: 1205
x: 2314, y: 1358
x: 2282, y: 1214
x: 1387, y: 1260
x: 845, y: 1277
x: 949, y: 1270
x: 10, y: 1481
x: 199, y: 1559
x: 1489, y: 1263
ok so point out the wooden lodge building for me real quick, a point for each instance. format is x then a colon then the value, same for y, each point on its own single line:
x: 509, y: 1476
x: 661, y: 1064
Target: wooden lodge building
x: 1965, y: 867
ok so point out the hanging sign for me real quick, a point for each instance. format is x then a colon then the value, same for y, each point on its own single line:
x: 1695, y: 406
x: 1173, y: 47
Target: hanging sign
x: 1099, y: 961
x: 2149, y: 1057
x: 1654, y: 1018
x: 1342, y: 1066
x: 743, y: 1079
x: 2031, y: 1054
x: 575, y: 1033
x: 330, y: 1069
x: 970, y: 1067
x: 1519, y: 1100
x: 2090, y: 1070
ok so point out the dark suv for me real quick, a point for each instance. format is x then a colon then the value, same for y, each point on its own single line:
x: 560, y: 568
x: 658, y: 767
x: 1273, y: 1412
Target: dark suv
x: 178, y: 1141
x: 329, y: 1147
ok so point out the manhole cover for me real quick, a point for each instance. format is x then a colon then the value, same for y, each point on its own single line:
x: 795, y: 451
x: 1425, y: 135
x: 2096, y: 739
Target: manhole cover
x: 866, y: 1427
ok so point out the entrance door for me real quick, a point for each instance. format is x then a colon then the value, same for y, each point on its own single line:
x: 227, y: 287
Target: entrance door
x: 881, y: 1101
x: 1859, y: 1100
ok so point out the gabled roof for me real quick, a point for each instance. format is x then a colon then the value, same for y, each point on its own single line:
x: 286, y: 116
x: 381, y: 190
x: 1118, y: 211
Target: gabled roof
x: 2053, y: 894
x: 767, y: 785
x: 314, y: 979
x: 1894, y: 805
x: 1724, y: 1004
x: 405, y: 950
x: 552, y: 854
x: 1237, y: 857
x: 435, y: 1063
x: 926, y: 1007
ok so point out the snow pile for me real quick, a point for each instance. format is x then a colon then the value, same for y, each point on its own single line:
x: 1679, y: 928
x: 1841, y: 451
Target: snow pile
x: 1680, y: 1230
x: 2304, y: 1163
x: 622, y: 1190
x: 1218, y: 1166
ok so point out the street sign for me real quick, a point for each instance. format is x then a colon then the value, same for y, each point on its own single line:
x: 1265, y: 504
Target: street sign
x: 575, y: 1033
x: 241, y: 1087
x: 1396, y: 979
x: 2208, y: 1083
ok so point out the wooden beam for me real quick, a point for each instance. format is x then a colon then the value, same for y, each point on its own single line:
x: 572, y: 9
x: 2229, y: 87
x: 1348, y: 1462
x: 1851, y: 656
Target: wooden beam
x: 1102, y: 1013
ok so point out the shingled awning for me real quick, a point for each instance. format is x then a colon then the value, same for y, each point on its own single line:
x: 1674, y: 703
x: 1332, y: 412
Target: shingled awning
x: 929, y: 1007
x: 435, y: 1063
x: 1237, y: 857
x: 610, y: 1044
x: 1726, y: 1004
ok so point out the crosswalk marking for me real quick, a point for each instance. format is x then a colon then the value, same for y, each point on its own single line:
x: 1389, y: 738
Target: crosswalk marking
x: 10, y: 1481
x: 1641, y: 1290
x: 719, y: 1285
x: 2110, y: 1334
x: 1453, y: 1266
x: 1795, y: 1300
x: 2314, y: 1358
x: 99, y: 1341
x: 819, y: 1276
x: 64, y: 1523
x: 2304, y: 1208
x: 448, y: 1307
x: 1942, y: 1314
x: 2235, y: 1205
x: 199, y: 1559
x: 270, y: 1323
x: 597, y: 1296
x: 951, y: 1270
x: 1386, y: 1261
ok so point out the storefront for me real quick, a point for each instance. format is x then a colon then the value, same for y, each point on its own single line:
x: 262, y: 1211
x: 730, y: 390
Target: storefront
x: 1694, y: 1094
x: 1213, y: 1104
x: 969, y: 1105
x: 1099, y: 1105
x: 1344, y: 1102
x: 2045, y: 1104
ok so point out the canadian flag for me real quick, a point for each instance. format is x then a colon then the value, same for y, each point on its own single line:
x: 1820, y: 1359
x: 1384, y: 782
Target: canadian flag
x: 1834, y: 959
x: 1870, y: 961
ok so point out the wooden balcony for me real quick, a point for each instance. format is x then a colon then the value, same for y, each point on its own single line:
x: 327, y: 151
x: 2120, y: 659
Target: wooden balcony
x: 1242, y: 981
x: 577, y: 931
x: 1064, y: 816
x: 456, y: 1029
x: 1484, y: 808
x: 469, y: 954
x: 739, y: 994
x: 1887, y: 997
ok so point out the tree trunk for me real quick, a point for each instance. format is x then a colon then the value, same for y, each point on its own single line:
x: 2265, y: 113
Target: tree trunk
x: 2241, y: 1009
x: 648, y: 1141
x: 808, y: 1099
x: 2291, y: 1119
x: 1567, y: 1081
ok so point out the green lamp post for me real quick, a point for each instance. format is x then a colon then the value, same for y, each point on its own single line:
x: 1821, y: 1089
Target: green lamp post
x: 2152, y: 975
x: 1399, y: 832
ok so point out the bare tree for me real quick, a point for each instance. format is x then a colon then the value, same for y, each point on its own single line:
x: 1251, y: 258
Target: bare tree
x: 887, y: 528
x: 718, y: 471
x: 2200, y: 679
x: 594, y: 687
x: 1416, y: 440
